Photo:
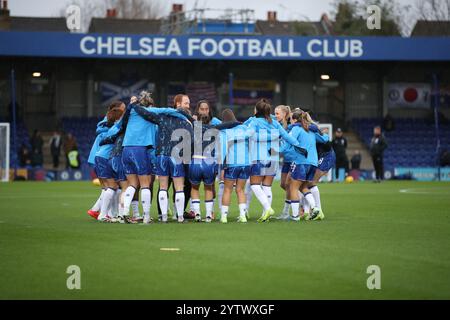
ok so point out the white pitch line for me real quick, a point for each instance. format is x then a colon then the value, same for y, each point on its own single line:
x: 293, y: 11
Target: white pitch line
x: 169, y: 249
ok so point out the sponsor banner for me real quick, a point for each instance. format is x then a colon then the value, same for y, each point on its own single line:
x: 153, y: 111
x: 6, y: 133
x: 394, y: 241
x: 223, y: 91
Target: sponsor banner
x: 237, y: 47
x: 248, y: 92
x: 424, y: 174
x: 408, y: 95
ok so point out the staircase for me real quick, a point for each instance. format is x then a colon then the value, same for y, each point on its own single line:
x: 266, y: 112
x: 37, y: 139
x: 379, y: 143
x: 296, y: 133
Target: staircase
x: 353, y: 144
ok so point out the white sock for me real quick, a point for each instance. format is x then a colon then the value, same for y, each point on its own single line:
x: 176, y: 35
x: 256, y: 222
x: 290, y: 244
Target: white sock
x: 106, y: 203
x: 98, y: 204
x: 305, y: 205
x: 242, y: 209
x: 316, y: 194
x: 195, y: 206
x: 287, y: 206
x: 115, y: 203
x: 295, y: 205
x: 163, y: 203
x: 268, y: 191
x: 179, y: 204
x: 129, y: 194
x: 310, y: 199
x: 248, y: 194
x: 146, y: 199
x: 121, y: 198
x: 224, y: 210
x: 135, y: 208
x: 220, y: 194
x: 261, y: 196
x: 209, y: 204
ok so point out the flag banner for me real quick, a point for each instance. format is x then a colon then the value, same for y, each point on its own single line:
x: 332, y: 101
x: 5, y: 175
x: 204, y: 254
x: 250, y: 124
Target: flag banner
x: 248, y: 92
x: 408, y: 95
x: 195, y: 90
x: 123, y: 91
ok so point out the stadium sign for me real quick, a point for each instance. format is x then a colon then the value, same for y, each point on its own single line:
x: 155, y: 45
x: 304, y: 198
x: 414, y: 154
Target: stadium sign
x: 61, y: 44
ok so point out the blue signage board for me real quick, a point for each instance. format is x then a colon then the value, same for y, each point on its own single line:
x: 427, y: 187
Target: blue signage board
x: 93, y: 45
x: 424, y: 174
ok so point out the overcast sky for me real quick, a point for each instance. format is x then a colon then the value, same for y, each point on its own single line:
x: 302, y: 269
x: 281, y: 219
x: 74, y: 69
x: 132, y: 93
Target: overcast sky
x: 286, y: 9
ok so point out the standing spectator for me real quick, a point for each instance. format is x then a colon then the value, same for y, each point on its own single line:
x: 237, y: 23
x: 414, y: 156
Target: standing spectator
x: 74, y: 159
x: 55, y: 148
x: 24, y: 156
x: 69, y: 145
x: 356, y: 160
x: 377, y: 147
x: 340, y: 146
x: 388, y: 123
x: 37, y: 158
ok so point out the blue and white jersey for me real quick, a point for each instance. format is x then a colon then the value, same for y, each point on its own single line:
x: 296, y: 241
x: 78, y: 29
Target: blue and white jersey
x: 307, y: 140
x: 101, y: 133
x: 105, y: 150
x: 235, y: 146
x: 139, y: 132
x: 264, y: 137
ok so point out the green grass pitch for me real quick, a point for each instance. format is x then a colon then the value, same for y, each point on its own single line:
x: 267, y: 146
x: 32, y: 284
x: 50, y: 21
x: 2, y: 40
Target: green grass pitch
x: 403, y: 227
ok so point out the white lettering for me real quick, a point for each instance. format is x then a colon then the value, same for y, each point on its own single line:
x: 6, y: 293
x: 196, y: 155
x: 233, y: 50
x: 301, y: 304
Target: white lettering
x: 292, y: 52
x: 130, y: 50
x: 83, y: 47
x: 309, y: 48
x: 158, y: 46
x: 193, y: 44
x: 254, y: 48
x: 119, y: 45
x: 173, y: 46
x: 356, y: 49
x: 146, y: 46
x: 231, y: 45
x: 204, y: 49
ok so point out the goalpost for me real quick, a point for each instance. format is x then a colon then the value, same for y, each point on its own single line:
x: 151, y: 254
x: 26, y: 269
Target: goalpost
x: 329, y: 126
x: 4, y: 152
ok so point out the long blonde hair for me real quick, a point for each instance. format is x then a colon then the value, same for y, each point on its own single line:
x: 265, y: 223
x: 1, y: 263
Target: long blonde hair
x: 287, y: 112
x: 300, y: 115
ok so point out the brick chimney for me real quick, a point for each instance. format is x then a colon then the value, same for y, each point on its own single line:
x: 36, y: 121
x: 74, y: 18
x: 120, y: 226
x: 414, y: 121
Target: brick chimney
x: 5, y: 19
x: 176, y: 8
x: 111, y: 13
x: 271, y: 16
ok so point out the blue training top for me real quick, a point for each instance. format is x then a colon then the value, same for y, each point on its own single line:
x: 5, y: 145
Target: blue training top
x: 235, y: 146
x: 265, y: 136
x: 100, y: 131
x: 105, y: 150
x: 307, y: 141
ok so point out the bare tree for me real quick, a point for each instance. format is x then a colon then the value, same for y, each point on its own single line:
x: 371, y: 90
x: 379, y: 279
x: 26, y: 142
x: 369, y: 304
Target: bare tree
x: 138, y: 9
x: 437, y: 11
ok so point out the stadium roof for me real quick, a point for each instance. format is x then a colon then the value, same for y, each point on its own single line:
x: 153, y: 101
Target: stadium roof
x: 431, y: 28
x: 128, y: 26
x: 287, y: 28
x: 37, y: 24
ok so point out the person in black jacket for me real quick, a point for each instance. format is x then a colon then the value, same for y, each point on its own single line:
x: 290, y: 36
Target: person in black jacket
x: 377, y: 147
x: 339, y: 147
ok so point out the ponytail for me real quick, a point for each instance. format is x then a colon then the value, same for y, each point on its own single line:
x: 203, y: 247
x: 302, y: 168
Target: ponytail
x: 263, y: 110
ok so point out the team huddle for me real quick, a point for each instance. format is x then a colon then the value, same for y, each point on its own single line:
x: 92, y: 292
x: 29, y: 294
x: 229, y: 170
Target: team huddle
x: 138, y: 144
